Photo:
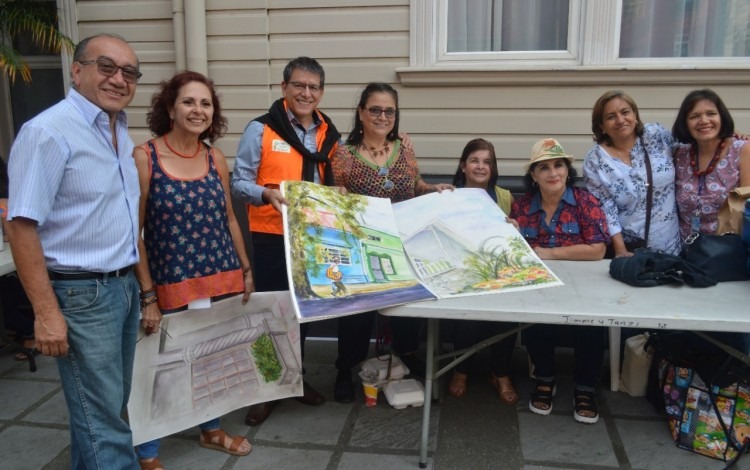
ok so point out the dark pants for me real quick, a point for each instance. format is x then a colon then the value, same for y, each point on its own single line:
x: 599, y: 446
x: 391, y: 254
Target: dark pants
x: 406, y: 334
x: 17, y: 311
x: 589, y: 343
x: 269, y: 270
x: 355, y: 332
x: 469, y: 332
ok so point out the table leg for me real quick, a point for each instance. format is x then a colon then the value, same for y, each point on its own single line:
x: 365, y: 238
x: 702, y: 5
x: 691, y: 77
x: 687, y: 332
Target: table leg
x: 431, y: 333
x: 614, y: 358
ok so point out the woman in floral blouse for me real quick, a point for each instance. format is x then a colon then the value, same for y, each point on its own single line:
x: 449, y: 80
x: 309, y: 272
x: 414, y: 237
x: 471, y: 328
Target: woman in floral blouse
x: 711, y: 164
x: 560, y: 221
x: 192, y: 246
x: 615, y: 172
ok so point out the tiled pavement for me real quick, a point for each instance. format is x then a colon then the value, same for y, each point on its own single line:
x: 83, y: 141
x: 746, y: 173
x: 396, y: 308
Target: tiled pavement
x: 475, y: 432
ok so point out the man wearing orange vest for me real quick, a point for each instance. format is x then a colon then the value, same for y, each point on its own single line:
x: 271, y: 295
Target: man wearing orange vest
x: 293, y: 141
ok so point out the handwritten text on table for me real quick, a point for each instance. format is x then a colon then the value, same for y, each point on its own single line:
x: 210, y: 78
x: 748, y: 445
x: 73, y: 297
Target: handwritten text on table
x: 568, y: 319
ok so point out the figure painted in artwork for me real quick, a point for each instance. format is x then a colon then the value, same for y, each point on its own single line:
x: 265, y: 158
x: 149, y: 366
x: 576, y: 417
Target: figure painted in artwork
x: 336, y: 276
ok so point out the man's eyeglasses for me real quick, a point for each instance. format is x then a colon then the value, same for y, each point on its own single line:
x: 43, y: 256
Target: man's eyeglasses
x: 376, y: 111
x: 108, y: 68
x: 299, y: 86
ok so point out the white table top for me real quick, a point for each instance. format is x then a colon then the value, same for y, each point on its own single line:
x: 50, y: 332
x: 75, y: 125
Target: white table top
x: 591, y: 297
x: 6, y: 261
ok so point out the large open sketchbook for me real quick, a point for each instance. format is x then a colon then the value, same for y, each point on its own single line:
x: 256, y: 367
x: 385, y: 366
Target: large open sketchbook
x: 348, y: 253
x: 459, y: 243
x: 344, y: 254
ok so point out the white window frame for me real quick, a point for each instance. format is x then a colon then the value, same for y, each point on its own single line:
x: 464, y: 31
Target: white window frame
x: 591, y: 58
x: 526, y: 59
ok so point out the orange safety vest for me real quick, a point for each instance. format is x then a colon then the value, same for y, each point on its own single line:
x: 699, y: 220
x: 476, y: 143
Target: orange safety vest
x: 279, y: 162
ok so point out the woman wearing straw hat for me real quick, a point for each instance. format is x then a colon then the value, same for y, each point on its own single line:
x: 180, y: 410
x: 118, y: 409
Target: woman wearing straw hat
x: 560, y: 221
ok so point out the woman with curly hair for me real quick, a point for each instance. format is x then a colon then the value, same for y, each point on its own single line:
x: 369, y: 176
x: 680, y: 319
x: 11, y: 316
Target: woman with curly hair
x: 192, y: 246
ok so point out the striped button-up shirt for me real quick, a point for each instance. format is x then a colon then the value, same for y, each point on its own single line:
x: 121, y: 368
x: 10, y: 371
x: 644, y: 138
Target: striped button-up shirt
x: 66, y: 175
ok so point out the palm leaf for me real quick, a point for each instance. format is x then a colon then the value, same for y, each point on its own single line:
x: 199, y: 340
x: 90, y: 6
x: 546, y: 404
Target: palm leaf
x: 28, y: 16
x: 11, y: 63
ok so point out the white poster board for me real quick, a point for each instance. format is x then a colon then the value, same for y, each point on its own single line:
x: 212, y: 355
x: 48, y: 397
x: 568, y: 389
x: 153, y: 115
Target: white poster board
x: 203, y: 364
x: 460, y: 244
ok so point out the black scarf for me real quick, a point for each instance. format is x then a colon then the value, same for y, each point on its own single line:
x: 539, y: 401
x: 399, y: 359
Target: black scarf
x: 278, y: 121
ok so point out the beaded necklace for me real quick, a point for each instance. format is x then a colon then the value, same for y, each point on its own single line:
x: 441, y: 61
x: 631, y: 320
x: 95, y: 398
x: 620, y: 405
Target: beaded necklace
x: 383, y: 170
x: 695, y: 164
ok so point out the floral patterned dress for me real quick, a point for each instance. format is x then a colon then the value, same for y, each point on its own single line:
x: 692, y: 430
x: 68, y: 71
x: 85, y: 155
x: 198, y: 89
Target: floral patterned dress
x: 190, y: 250
x: 621, y: 189
x: 705, y: 195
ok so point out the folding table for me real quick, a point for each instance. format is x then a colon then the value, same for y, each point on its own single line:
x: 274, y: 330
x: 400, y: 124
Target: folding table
x: 589, y: 297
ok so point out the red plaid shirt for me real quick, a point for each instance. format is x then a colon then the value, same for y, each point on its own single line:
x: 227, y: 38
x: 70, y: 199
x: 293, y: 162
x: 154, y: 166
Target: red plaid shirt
x: 578, y: 220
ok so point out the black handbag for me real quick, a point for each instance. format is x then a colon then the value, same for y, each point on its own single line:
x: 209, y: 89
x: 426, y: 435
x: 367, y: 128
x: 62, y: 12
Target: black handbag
x: 722, y: 257
x: 648, y: 268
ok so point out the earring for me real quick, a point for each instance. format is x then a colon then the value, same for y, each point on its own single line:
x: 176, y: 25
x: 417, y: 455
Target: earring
x: 171, y: 123
x: 535, y: 184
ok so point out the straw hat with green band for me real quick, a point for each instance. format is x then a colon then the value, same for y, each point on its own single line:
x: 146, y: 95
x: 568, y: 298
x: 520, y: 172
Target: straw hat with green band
x: 547, y: 149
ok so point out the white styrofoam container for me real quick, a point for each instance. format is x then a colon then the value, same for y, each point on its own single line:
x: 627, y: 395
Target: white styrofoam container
x: 379, y: 366
x: 403, y: 393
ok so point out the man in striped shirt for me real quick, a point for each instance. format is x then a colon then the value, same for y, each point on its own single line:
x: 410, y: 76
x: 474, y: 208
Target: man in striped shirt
x: 73, y: 229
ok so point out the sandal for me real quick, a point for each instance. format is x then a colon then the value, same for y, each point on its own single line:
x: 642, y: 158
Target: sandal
x: 457, y: 387
x: 28, y: 345
x: 504, y: 388
x: 22, y: 356
x: 541, y: 398
x: 585, y: 409
x: 216, y: 439
x: 152, y: 464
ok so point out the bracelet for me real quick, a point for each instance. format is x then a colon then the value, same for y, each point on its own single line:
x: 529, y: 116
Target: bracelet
x: 151, y: 293
x: 146, y: 303
x: 148, y: 293
x: 246, y: 270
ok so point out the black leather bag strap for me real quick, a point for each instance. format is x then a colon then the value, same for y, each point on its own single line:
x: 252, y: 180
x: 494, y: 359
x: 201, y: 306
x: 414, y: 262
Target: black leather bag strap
x: 649, y: 191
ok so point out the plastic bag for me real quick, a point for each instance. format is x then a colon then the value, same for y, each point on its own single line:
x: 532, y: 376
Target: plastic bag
x: 635, y: 365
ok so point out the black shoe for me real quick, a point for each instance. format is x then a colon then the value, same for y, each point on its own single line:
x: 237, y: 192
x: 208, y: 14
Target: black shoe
x: 343, y: 391
x: 415, y: 365
x: 258, y: 413
x: 310, y: 396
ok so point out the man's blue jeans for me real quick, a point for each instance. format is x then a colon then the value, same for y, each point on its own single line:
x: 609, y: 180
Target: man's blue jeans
x: 102, y: 317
